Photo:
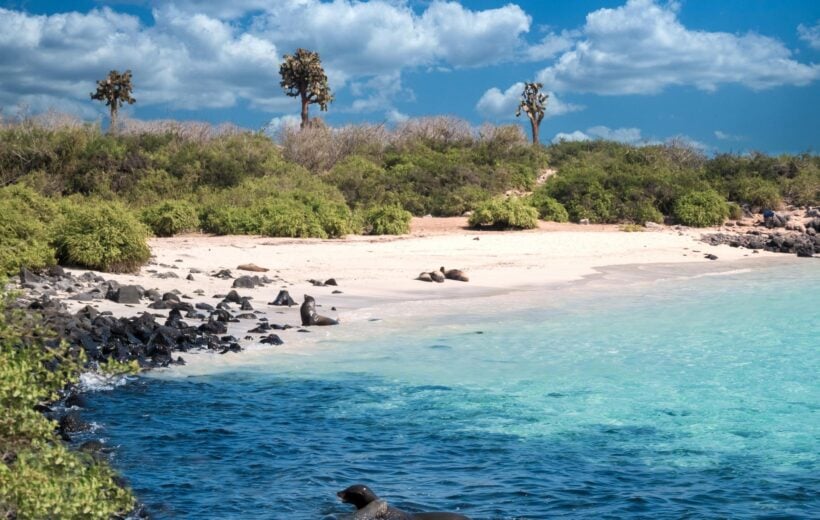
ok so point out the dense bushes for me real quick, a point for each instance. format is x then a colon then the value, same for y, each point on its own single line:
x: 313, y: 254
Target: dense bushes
x: 504, y: 213
x: 101, y: 235
x: 39, y: 476
x: 25, y: 236
x: 171, y: 217
x: 701, y: 209
x: 387, y: 220
x: 548, y: 208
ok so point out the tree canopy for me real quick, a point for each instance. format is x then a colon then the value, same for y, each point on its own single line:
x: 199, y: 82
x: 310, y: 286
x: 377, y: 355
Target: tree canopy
x: 303, y: 77
x: 114, y: 90
x: 534, y: 104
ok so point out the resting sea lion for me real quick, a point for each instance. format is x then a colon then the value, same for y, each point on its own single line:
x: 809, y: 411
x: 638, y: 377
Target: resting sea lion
x: 425, y: 277
x: 455, y: 274
x: 437, y: 276
x: 371, y: 507
x: 309, y: 316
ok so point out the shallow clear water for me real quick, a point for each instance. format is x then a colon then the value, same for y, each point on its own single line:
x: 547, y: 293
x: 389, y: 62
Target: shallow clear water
x: 687, y: 397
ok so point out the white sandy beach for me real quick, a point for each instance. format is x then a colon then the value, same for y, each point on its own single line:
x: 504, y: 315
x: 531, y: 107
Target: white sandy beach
x: 377, y: 273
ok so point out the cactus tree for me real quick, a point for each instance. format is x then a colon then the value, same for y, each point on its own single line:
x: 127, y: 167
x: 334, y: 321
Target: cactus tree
x: 303, y: 77
x: 114, y: 90
x: 533, y: 103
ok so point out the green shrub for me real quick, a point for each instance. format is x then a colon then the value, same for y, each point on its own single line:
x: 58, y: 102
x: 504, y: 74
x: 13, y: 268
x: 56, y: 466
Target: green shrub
x: 229, y: 220
x: 701, y: 209
x: 39, y: 476
x: 640, y: 212
x: 359, y: 179
x: 25, y: 237
x: 506, y: 213
x: 387, y: 220
x: 735, y: 211
x: 168, y: 218
x: 289, y: 218
x: 548, y: 208
x: 804, y: 188
x: 100, y: 235
x: 756, y: 192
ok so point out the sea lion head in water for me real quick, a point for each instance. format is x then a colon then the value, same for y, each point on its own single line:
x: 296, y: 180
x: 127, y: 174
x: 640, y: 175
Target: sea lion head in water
x: 358, y: 494
x: 370, y: 507
x: 309, y: 316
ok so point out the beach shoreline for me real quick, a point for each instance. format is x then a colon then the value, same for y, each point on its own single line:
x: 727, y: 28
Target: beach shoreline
x: 376, y: 275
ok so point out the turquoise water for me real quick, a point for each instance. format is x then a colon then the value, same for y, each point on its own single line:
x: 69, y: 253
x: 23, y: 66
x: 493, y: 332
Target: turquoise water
x: 688, y: 397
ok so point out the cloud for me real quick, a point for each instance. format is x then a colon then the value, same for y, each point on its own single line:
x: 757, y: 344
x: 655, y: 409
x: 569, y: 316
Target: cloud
x: 622, y: 135
x: 571, y: 137
x: 277, y: 124
x: 810, y: 35
x: 182, y: 61
x: 552, y: 45
x: 502, y: 105
x: 200, y: 54
x: 395, y: 117
x: 642, y: 48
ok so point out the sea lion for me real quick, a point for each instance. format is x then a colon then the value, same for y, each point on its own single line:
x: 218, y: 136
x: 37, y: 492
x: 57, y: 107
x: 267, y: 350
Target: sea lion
x: 370, y: 507
x: 253, y: 268
x: 425, y: 277
x: 309, y: 316
x: 283, y: 298
x: 455, y: 274
x: 437, y: 276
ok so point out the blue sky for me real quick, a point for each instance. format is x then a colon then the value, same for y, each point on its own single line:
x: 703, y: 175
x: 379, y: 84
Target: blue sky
x: 728, y: 75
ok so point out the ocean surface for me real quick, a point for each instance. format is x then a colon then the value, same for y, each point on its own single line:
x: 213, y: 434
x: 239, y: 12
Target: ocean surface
x: 667, y: 393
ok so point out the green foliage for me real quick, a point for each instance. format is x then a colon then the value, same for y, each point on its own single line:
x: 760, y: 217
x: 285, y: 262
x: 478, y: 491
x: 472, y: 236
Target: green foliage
x: 24, y: 230
x: 701, y: 209
x: 101, y: 235
x: 756, y: 192
x: 39, y: 476
x: 168, y: 218
x: 504, y: 213
x: 361, y: 181
x: 631, y: 228
x: 387, y: 220
x: 548, y: 208
x: 735, y: 211
x: 303, y: 77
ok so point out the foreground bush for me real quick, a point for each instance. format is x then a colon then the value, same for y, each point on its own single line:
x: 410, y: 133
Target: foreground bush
x: 548, y: 208
x: 701, y: 209
x: 510, y: 213
x: 102, y: 236
x: 168, y: 218
x: 39, y: 476
x: 387, y: 220
x: 25, y: 238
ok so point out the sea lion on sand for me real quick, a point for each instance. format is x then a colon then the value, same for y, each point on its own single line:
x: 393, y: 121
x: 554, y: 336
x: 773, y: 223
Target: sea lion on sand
x: 309, y: 316
x: 370, y: 507
x: 455, y: 274
x: 437, y: 276
x: 425, y: 277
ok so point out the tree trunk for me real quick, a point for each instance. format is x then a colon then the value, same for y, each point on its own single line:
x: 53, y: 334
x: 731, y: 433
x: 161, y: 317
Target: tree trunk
x: 304, y: 112
x: 534, y: 126
x: 113, y: 128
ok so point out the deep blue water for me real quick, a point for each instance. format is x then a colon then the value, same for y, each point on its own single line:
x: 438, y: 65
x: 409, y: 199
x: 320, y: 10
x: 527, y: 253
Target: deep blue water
x: 688, y: 398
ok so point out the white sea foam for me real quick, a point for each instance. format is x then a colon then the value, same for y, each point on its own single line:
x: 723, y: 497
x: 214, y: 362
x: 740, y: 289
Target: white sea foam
x: 95, y: 382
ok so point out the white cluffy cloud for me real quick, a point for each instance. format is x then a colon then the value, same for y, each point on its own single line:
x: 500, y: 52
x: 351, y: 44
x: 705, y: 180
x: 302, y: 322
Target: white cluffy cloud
x: 623, y: 135
x: 195, y: 55
x: 643, y: 48
x: 810, y: 35
x: 502, y: 105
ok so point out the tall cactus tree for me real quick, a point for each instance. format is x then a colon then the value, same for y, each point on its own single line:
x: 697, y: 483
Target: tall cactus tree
x: 114, y: 90
x: 303, y: 77
x: 534, y: 104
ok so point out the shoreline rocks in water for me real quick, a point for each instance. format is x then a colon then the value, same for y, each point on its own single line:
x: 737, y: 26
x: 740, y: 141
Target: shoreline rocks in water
x: 801, y: 244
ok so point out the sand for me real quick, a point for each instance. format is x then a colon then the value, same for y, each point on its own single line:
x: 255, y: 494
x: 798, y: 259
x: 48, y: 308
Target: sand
x: 375, y: 273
